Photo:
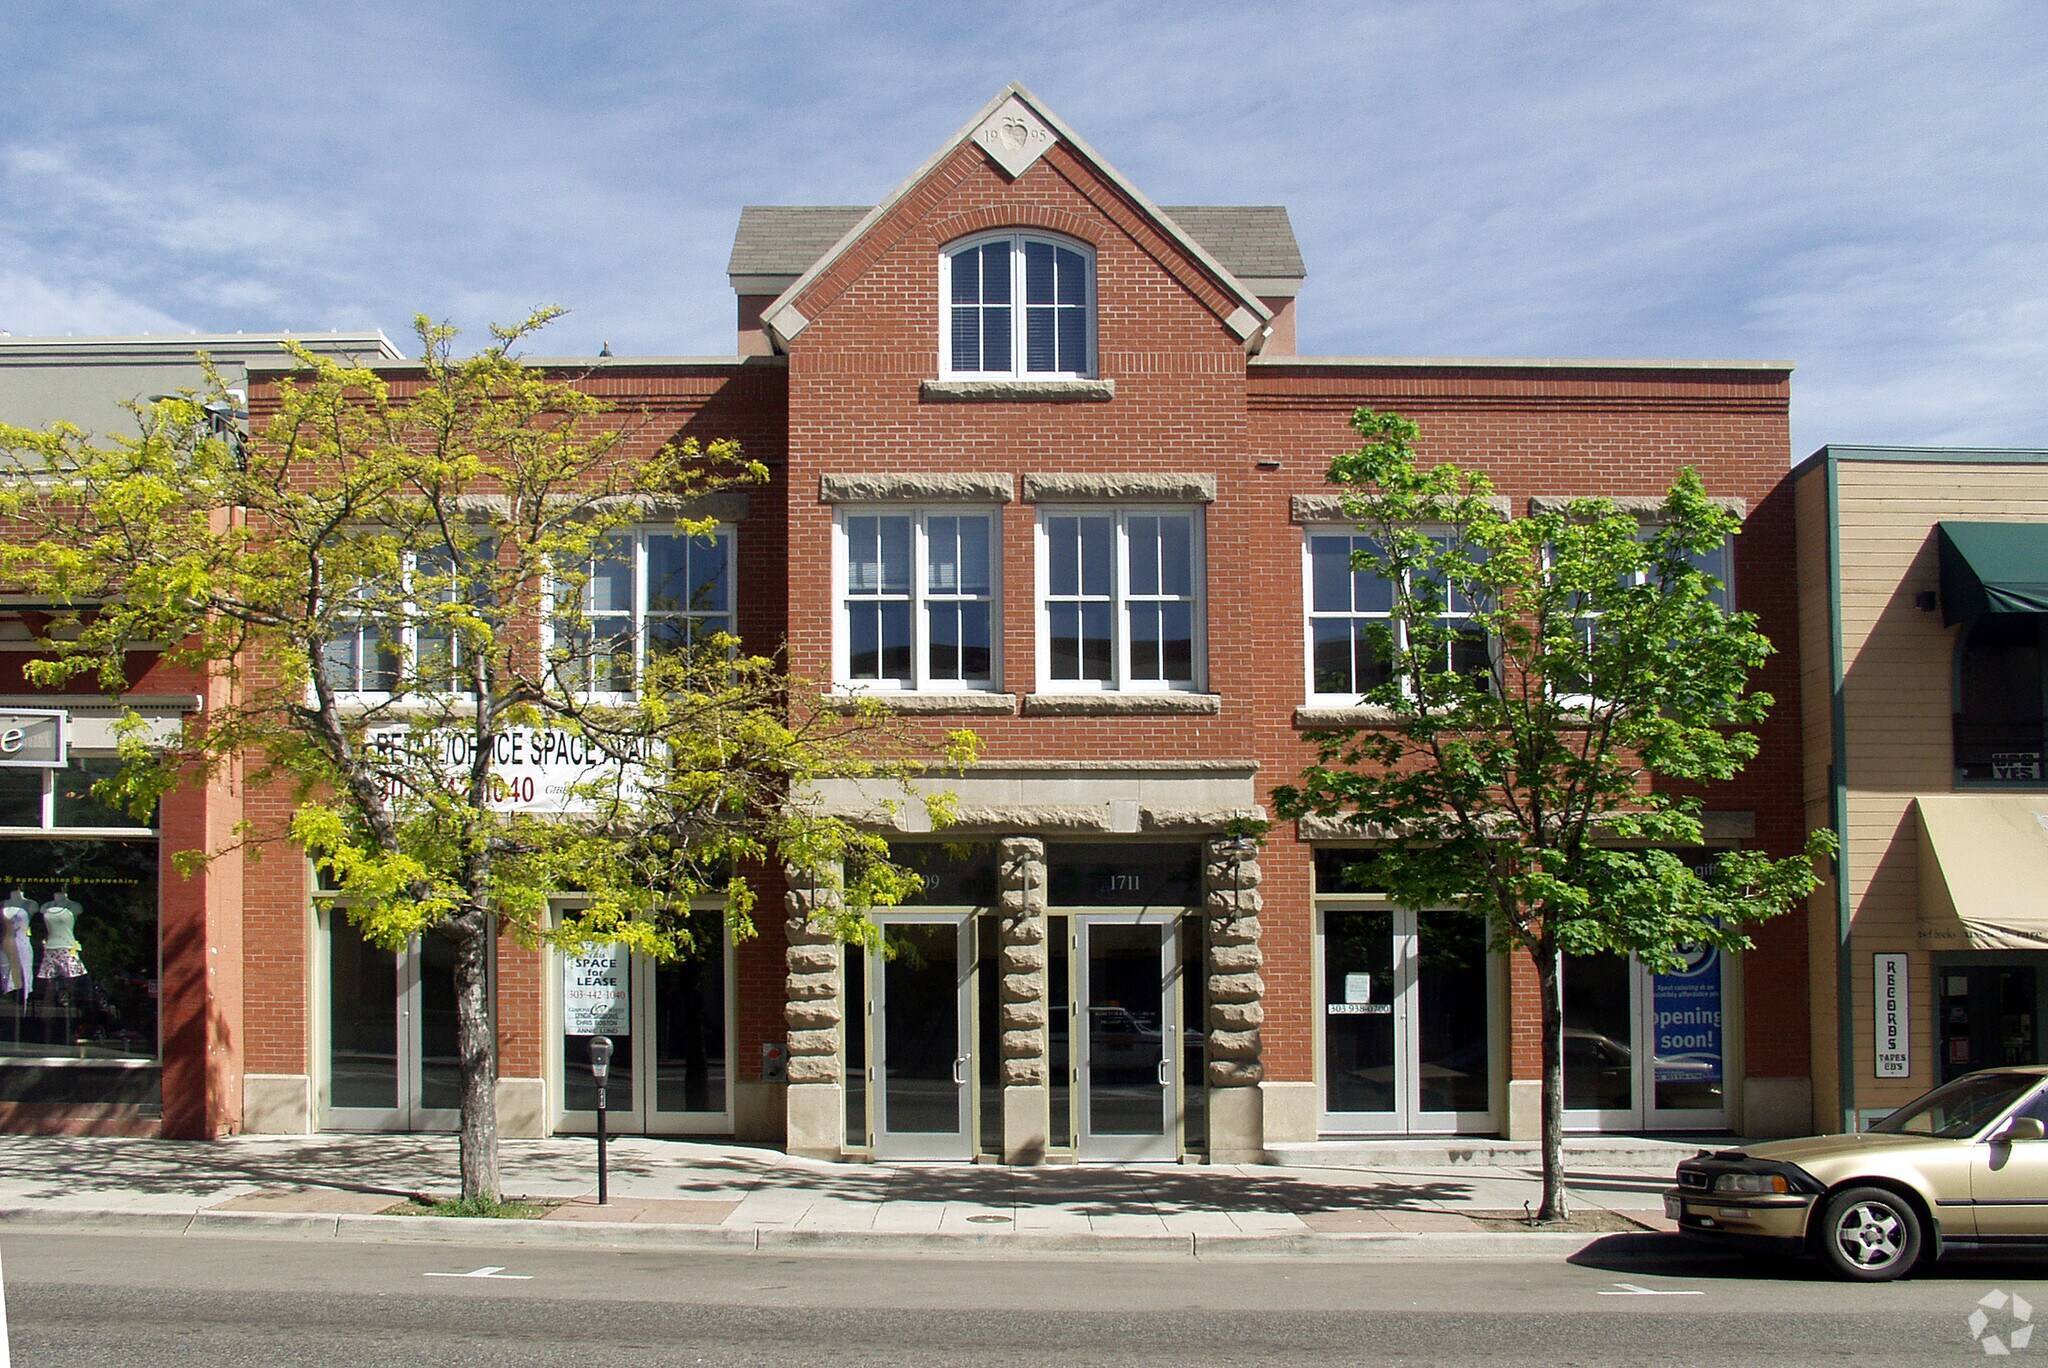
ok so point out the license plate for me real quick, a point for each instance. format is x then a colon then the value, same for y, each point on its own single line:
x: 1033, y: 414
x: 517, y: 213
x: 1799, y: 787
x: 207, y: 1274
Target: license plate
x: 1673, y: 1207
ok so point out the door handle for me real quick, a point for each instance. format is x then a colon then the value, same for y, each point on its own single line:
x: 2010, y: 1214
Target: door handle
x: 1165, y: 1071
x: 960, y: 1069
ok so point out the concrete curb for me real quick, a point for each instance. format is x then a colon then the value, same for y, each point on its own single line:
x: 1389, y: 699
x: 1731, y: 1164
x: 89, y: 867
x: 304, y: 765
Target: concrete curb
x: 1361, y: 1246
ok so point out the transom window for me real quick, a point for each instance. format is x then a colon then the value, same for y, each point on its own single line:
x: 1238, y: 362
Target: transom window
x: 1018, y: 305
x: 1351, y: 621
x: 644, y: 592
x: 1121, y: 599
x: 917, y: 599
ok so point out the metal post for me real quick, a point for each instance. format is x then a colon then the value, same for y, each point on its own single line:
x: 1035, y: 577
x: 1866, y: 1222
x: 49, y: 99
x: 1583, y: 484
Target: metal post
x: 600, y: 1069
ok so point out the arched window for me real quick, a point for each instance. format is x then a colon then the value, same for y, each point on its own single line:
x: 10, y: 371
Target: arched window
x: 1999, y: 712
x: 1017, y: 305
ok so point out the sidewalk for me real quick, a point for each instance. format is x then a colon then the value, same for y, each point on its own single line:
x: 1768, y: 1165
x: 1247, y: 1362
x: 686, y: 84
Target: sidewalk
x: 687, y: 1194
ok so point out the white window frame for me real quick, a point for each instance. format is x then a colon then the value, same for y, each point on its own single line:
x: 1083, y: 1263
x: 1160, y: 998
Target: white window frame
x: 1310, y: 615
x: 1120, y: 599
x: 1017, y: 369
x: 920, y: 596
x: 724, y: 532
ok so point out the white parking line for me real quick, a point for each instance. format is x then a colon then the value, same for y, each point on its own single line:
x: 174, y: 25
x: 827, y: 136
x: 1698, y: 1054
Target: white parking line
x: 1631, y: 1290
x: 488, y: 1271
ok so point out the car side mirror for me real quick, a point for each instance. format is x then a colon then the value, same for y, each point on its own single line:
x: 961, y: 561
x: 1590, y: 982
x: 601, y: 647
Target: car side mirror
x: 2021, y: 1128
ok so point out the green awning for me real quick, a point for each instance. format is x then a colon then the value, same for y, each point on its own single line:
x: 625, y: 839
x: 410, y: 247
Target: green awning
x: 1992, y: 568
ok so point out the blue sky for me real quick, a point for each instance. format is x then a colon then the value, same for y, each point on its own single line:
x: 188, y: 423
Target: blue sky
x: 1860, y: 188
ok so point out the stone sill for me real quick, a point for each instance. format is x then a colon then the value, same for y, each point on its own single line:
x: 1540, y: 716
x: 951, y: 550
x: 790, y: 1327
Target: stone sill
x: 926, y: 704
x: 1121, y: 704
x: 1017, y: 391
x: 1341, y: 716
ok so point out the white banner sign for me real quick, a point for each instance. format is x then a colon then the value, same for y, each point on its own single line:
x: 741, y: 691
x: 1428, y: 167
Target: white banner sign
x: 1894, y: 1059
x: 594, y: 991
x: 533, y: 769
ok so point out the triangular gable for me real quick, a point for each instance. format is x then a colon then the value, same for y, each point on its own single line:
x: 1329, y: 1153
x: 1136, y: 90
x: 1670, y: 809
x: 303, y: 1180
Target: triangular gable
x: 1015, y: 144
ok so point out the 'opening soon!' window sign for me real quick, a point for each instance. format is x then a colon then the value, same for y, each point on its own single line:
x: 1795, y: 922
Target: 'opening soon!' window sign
x: 533, y: 769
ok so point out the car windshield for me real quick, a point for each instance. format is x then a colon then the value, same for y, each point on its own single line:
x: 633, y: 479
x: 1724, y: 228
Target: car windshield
x: 1958, y: 1110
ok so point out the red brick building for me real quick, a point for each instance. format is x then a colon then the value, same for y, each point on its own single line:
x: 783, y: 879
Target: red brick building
x: 1047, y: 466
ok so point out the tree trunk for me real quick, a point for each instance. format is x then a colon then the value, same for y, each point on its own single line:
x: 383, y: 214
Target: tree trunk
x: 476, y: 1049
x: 1550, y: 977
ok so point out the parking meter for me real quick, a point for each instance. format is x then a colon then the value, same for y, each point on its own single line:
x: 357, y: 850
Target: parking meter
x: 600, y: 1068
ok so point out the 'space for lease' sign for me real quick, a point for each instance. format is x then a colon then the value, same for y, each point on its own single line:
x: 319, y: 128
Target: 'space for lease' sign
x: 533, y: 769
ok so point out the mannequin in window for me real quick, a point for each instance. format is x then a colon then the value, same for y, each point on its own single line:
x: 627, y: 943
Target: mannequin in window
x: 60, y: 944
x: 17, y: 956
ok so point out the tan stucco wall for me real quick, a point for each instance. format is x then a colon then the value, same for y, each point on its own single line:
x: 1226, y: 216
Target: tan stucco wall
x: 1897, y: 671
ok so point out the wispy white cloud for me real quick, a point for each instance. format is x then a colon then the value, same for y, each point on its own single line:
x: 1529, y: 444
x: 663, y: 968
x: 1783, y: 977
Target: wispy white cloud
x: 1855, y: 188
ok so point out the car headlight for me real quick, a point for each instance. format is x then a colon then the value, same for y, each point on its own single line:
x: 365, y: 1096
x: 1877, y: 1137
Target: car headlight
x: 1752, y: 1184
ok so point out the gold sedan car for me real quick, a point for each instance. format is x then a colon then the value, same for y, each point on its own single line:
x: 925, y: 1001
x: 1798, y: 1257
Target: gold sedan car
x: 1966, y: 1165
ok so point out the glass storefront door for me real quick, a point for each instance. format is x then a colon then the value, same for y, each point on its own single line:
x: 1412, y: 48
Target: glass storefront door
x: 1407, y: 1011
x: 671, y: 1042
x: 921, y: 1003
x: 391, y: 1058
x: 1127, y: 1005
x: 1645, y: 1051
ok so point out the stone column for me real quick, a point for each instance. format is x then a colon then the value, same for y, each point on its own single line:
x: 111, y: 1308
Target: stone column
x: 1230, y: 887
x: 816, y: 1125
x: 1020, y: 904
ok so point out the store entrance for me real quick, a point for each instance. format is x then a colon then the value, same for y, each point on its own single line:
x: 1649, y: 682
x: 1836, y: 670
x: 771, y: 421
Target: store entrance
x: 391, y: 1059
x: 671, y: 1039
x: 923, y: 1013
x: 1645, y: 1051
x: 1128, y: 998
x: 1406, y: 1021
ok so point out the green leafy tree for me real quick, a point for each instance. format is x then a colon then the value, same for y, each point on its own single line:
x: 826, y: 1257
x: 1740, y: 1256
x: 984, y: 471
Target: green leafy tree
x: 385, y: 587
x: 1555, y: 690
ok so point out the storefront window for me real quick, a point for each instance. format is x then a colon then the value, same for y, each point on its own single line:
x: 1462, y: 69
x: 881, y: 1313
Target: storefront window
x: 78, y: 971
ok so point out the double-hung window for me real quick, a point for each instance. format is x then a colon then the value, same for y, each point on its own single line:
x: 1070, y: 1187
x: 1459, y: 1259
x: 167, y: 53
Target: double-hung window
x: 386, y: 643
x: 1580, y: 690
x: 643, y: 592
x: 917, y: 596
x: 1354, y: 630
x: 1017, y: 305
x: 1120, y: 593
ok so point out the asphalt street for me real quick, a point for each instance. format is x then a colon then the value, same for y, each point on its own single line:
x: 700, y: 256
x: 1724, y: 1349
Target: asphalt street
x: 132, y: 1300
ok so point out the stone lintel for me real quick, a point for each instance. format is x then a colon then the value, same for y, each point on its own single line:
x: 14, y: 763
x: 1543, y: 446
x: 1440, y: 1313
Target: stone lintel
x: 1329, y: 508
x: 1017, y: 391
x: 1032, y: 818
x: 1646, y: 507
x: 918, y: 487
x: 1129, y: 487
x: 723, y: 505
x: 1195, y: 819
x: 1121, y: 704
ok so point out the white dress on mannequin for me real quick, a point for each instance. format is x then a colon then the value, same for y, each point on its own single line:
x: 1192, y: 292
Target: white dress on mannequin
x: 17, y: 956
x: 60, y: 943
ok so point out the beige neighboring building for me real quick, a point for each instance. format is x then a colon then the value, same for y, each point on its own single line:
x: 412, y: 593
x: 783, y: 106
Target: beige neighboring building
x: 1923, y: 592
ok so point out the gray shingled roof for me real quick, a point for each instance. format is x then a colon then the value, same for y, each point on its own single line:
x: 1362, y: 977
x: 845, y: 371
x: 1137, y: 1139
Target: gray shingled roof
x: 1252, y: 241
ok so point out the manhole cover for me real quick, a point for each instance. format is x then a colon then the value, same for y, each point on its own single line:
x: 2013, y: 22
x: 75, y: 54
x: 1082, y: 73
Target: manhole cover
x: 989, y: 1220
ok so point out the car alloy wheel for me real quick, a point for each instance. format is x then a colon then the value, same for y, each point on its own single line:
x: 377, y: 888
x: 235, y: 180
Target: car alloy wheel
x: 1870, y: 1234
